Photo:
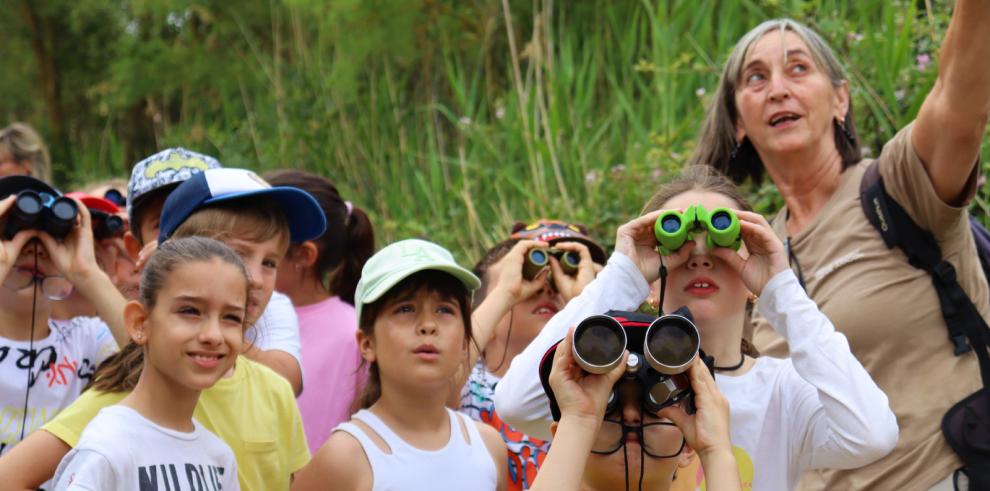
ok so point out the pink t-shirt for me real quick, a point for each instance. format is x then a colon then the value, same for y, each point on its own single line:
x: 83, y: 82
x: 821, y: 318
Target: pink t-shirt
x: 330, y: 361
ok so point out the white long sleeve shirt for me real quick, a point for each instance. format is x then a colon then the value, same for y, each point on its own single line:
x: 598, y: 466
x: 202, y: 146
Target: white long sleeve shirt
x: 817, y: 409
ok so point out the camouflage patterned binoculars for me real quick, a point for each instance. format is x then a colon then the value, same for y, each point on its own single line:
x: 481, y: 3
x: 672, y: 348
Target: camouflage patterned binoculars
x: 537, y: 259
x: 673, y: 228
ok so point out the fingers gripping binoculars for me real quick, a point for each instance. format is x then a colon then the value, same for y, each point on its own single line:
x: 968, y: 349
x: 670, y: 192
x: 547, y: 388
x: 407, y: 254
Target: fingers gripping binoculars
x: 55, y: 215
x: 673, y: 228
x: 537, y: 259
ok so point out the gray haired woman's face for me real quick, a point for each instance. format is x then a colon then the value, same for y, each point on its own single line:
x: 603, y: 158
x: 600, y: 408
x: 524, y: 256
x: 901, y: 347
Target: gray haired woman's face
x: 786, y: 103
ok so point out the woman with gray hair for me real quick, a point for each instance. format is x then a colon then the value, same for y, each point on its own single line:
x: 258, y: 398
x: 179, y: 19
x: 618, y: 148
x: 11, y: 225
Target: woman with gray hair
x: 783, y: 109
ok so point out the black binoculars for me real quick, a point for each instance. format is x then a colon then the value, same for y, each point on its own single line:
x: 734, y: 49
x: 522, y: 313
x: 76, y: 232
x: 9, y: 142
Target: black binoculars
x: 106, y: 226
x: 537, y: 259
x: 54, y: 215
x: 661, y: 350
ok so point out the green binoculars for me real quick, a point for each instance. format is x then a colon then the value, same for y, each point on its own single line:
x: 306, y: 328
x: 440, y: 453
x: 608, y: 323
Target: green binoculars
x: 537, y: 259
x: 673, y: 228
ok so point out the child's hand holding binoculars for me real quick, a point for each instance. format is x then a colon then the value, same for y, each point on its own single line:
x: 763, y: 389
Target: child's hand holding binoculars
x: 581, y: 395
x: 509, y: 280
x: 764, y: 254
x: 570, y: 285
x: 707, y: 430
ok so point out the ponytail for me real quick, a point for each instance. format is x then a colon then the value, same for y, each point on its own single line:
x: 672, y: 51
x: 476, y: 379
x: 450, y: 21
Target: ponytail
x: 349, y: 240
x: 360, y: 244
x: 120, y: 371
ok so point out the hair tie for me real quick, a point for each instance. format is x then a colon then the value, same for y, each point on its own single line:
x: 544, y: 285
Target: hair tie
x: 349, y: 206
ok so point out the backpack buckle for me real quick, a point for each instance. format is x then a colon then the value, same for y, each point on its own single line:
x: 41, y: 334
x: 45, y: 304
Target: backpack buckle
x: 945, y: 272
x: 960, y: 345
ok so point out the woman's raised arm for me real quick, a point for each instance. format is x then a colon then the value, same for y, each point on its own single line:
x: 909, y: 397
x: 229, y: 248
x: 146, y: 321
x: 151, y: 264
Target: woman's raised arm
x: 952, y: 120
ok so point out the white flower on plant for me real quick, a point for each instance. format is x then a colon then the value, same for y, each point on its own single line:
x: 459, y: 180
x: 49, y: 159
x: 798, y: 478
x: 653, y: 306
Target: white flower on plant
x: 656, y: 174
x: 700, y: 92
x: 618, y: 168
x: 464, y: 121
x: 899, y: 94
x: 591, y: 177
x: 499, y: 112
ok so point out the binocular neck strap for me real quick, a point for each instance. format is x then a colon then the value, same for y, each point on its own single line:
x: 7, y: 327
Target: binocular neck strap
x: 31, y: 355
x: 663, y: 286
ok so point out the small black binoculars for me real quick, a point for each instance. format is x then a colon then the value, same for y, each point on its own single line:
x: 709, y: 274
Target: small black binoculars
x: 537, y: 259
x: 660, y: 351
x: 54, y: 215
x: 106, y: 226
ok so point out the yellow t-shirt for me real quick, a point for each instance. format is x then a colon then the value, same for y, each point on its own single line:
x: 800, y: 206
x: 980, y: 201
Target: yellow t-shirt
x: 254, y: 412
x: 889, y: 312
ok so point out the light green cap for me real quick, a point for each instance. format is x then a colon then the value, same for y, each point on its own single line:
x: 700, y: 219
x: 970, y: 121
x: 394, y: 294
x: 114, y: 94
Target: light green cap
x: 401, y: 260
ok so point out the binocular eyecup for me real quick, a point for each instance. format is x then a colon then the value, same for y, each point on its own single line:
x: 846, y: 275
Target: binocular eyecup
x: 673, y: 228
x: 539, y: 258
x: 54, y: 215
x: 670, y: 345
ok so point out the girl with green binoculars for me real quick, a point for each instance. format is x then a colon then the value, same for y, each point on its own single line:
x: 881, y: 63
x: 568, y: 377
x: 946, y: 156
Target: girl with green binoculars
x: 673, y: 228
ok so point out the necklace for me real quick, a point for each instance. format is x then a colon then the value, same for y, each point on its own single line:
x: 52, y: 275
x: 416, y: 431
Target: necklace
x: 737, y: 366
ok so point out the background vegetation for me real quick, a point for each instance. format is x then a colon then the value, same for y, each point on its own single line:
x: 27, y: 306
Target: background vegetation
x: 444, y: 119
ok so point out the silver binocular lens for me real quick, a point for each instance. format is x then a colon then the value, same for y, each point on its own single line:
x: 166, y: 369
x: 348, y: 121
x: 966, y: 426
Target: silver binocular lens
x: 671, y: 345
x: 599, y: 342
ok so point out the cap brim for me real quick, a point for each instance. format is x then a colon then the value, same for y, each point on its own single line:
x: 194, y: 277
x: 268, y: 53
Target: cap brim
x: 94, y: 203
x: 469, y: 280
x: 305, y: 217
x: 14, y: 184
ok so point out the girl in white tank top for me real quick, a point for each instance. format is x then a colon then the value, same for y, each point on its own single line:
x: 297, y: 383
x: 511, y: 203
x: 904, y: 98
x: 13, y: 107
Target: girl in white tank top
x: 413, y: 305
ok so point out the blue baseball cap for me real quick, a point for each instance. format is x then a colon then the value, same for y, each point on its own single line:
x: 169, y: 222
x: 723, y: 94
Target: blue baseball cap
x: 302, y: 211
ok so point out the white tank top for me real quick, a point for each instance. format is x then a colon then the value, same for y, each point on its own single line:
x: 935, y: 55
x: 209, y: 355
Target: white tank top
x: 456, y: 466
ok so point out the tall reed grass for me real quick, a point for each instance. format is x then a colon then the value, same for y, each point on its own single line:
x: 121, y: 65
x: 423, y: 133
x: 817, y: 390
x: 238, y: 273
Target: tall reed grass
x: 452, y: 120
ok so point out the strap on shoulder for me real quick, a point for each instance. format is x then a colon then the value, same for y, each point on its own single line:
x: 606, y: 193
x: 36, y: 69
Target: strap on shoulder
x: 898, y: 230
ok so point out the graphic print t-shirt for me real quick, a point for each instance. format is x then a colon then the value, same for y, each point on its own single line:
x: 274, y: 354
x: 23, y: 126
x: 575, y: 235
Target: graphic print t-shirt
x: 121, y: 450
x: 525, y: 453
x: 52, y: 373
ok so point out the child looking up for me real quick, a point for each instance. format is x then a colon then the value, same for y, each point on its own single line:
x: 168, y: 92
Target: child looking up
x: 510, y: 311
x: 818, y: 409
x: 189, y: 322
x: 320, y: 276
x: 413, y: 305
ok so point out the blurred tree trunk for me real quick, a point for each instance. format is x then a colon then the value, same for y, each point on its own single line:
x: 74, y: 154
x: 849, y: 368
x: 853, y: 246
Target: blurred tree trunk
x: 43, y: 43
x: 137, y: 133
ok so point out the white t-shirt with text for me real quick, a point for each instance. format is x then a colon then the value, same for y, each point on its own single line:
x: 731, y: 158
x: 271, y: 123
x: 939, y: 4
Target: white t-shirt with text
x: 122, y: 450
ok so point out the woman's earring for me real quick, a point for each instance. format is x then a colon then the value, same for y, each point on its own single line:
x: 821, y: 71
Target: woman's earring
x: 846, y: 131
x: 735, y: 150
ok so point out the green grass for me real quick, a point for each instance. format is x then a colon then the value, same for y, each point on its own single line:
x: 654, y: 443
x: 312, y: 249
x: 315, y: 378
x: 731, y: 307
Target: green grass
x: 442, y: 122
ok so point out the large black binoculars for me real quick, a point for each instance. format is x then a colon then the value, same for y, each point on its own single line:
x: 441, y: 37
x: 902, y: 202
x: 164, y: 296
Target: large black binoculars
x: 106, y: 226
x: 660, y: 351
x: 539, y: 258
x: 54, y: 215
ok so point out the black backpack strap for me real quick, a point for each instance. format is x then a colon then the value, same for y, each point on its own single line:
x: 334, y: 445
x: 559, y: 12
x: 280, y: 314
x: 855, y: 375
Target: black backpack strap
x: 898, y: 229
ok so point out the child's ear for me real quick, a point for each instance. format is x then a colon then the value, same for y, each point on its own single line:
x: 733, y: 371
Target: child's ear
x: 135, y: 316
x: 686, y: 457
x: 305, y: 254
x: 366, y: 345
